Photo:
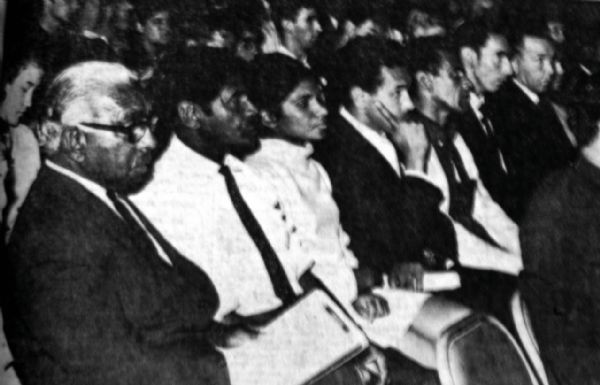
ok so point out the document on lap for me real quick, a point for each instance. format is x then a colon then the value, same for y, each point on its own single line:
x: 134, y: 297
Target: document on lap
x: 307, y: 341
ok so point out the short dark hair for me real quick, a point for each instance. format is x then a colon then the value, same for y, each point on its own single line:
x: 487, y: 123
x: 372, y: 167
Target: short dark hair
x: 475, y: 34
x: 360, y: 62
x: 288, y: 10
x: 144, y: 10
x: 200, y: 73
x: 534, y: 27
x: 274, y: 78
x: 428, y: 54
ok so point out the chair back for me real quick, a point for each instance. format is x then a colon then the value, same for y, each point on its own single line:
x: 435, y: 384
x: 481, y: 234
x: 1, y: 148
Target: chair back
x: 478, y: 350
x: 520, y: 315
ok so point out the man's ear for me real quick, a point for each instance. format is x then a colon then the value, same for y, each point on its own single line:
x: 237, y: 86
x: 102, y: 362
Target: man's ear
x: 423, y: 80
x: 359, y: 97
x: 74, y: 142
x: 49, y: 136
x: 190, y: 114
x: 268, y: 120
x: 514, y: 64
x: 468, y: 57
x: 287, y: 25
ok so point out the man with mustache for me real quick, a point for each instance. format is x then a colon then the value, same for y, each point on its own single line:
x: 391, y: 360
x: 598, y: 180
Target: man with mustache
x: 488, y: 240
x: 531, y: 136
x: 93, y: 293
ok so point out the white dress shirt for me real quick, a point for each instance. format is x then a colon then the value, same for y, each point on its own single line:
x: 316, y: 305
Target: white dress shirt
x: 472, y: 250
x: 189, y: 203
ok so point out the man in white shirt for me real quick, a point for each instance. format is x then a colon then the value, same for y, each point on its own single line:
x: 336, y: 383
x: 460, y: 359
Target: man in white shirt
x: 193, y: 200
x: 488, y: 240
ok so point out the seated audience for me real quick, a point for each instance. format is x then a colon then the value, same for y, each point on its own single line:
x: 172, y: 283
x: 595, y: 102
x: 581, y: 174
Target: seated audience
x: 92, y: 293
x: 392, y: 217
x: 532, y: 138
x: 488, y: 240
x: 214, y: 217
x: 20, y: 158
x: 560, y: 282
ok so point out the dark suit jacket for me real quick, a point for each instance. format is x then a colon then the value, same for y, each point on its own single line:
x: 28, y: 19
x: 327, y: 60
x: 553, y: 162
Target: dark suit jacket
x: 533, y: 143
x: 484, y: 151
x: 89, y: 303
x: 389, y: 219
x: 561, y: 278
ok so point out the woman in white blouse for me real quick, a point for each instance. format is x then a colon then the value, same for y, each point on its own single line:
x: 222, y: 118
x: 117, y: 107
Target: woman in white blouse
x: 293, y: 116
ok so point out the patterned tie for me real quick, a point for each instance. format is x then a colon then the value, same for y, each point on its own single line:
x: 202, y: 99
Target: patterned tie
x: 281, y: 285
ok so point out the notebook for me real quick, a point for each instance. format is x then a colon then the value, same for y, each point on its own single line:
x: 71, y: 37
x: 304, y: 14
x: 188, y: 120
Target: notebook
x: 307, y: 341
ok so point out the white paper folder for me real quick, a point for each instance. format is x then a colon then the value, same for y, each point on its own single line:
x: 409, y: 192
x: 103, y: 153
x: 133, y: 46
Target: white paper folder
x: 310, y: 339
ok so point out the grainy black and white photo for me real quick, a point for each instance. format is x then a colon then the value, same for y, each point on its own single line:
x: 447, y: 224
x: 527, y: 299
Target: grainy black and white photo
x: 300, y: 192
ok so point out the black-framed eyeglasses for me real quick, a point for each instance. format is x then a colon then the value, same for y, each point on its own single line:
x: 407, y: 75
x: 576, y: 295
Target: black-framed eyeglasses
x: 134, y: 132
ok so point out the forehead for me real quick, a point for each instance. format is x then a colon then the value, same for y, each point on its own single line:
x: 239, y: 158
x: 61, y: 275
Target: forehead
x: 117, y: 105
x: 29, y: 74
x: 305, y: 87
x: 537, y: 46
x: 306, y: 13
x: 394, y: 77
x: 495, y: 44
x: 159, y: 16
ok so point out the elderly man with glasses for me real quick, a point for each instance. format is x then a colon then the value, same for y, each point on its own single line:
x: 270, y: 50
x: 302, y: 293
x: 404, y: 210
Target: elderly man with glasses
x: 94, y: 294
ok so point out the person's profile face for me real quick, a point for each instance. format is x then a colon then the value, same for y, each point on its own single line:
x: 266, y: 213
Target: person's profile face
x: 306, y: 28
x: 449, y: 88
x: 157, y: 29
x: 393, y: 94
x: 19, y: 93
x: 122, y: 19
x: 117, y: 159
x: 493, y: 65
x: 233, y: 120
x: 247, y: 47
x: 303, y: 114
x: 64, y: 10
x: 534, y: 64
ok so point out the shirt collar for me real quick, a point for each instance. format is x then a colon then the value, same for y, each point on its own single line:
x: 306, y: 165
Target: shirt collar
x: 530, y: 94
x: 284, y: 51
x: 93, y: 35
x: 89, y: 185
x: 476, y: 101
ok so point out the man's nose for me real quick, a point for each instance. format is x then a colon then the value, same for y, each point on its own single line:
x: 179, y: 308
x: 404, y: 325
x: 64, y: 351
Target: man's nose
x: 318, y: 28
x: 506, y: 68
x: 406, y: 102
x: 148, y: 141
x: 248, y: 108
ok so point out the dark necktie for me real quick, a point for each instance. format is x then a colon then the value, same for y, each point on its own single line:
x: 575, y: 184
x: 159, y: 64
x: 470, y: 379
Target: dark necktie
x: 461, y: 189
x: 281, y: 285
